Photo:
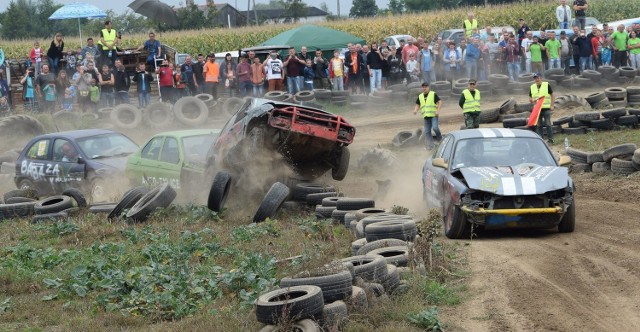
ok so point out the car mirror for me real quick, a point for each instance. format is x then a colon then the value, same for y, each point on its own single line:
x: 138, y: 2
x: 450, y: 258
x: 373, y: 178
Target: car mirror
x: 439, y: 162
x: 564, y: 160
x: 81, y: 160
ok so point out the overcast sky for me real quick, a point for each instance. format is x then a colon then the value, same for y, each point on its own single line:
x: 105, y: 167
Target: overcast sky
x: 120, y: 6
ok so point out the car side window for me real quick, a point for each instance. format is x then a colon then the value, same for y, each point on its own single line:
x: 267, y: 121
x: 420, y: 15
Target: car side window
x: 60, y: 146
x: 447, y: 147
x: 39, y: 150
x: 170, y: 152
x: 152, y: 149
x: 440, y: 151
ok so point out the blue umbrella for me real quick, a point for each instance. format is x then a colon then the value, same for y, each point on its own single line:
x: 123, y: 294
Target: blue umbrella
x: 78, y: 10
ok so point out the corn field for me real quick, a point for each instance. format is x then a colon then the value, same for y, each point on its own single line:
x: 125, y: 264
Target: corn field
x: 538, y: 14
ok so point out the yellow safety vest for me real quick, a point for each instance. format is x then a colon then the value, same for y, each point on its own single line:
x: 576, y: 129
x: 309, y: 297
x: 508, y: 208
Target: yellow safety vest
x: 543, y: 91
x: 428, y: 107
x: 469, y: 26
x: 471, y: 103
x: 109, y: 37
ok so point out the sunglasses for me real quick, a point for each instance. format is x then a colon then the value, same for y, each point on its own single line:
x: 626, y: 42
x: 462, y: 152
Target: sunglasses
x: 472, y: 84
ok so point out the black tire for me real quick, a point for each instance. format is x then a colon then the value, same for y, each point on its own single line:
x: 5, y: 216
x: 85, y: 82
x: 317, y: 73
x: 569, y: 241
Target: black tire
x: 335, y: 285
x: 297, y: 302
x: 77, y: 196
x: 615, y: 93
x: 304, y: 95
x: 357, y: 245
x: 627, y: 71
x: 101, y: 208
x: 186, y: 105
x: 368, y: 267
x: 322, y: 94
x: 577, y: 124
x: 525, y: 107
x: 568, y: 222
x: 126, y: 116
x: 347, y: 203
x: 338, y: 215
x: 634, y: 112
x: 26, y: 193
x: 232, y: 105
x: 391, y: 229
x: 339, y: 172
x: 403, y: 138
x: 583, y: 81
x: 622, y: 166
x: 525, y: 78
x: 392, y: 280
x: 600, y: 167
x: 397, y: 255
x: 595, y: 157
x: 15, y: 126
x: 378, y: 244
x: 574, y: 131
x: 17, y: 200
x: 271, y: 202
x: 456, y: 225
x: 48, y: 217
x: 324, y: 212
x: 367, y: 212
x: 53, y: 204
x: 595, y: 98
x: 627, y: 120
x: 128, y: 200
x: 158, y: 115
x: 563, y: 120
x: 587, y: 116
x: 614, y: 113
x: 636, y: 157
x: 507, y: 106
x: 335, y: 315
x: 316, y: 198
x: 330, y: 201
x: 602, y: 124
x: 159, y: 197
x: 515, y: 122
x: 301, y: 190
x: 105, y: 112
x: 207, y: 99
x: 489, y: 115
x: 275, y: 95
x: 219, y: 191
x: 8, y: 211
x: 619, y: 151
x: 577, y: 156
x: 633, y: 90
x: 593, y: 75
x: 602, y: 104
x: 607, y: 70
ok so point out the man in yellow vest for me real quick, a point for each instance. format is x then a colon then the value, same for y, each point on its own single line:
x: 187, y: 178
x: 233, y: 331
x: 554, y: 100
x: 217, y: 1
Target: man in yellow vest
x: 429, y: 105
x: 108, y: 41
x: 470, y: 104
x: 543, y: 89
x: 470, y: 24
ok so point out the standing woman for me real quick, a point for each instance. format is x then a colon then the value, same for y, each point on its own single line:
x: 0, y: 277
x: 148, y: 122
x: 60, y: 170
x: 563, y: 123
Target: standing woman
x: 62, y: 83
x: 633, y: 44
x: 54, y: 54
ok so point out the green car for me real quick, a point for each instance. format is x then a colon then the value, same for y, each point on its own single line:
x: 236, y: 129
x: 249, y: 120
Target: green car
x: 176, y: 157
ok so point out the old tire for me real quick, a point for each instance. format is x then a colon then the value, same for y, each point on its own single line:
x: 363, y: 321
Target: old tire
x: 335, y: 315
x: 615, y: 93
x: 22, y: 192
x: 20, y: 126
x: 587, y: 116
x: 384, y: 243
x: 159, y: 197
x: 456, y: 225
x: 489, y: 115
x: 330, y: 201
x: 219, y: 191
x: 368, y: 267
x: 53, y: 204
x: 619, y: 151
x: 335, y: 285
x: 232, y: 105
x: 48, y: 217
x: 126, y: 116
x: 101, y: 208
x: 297, y: 302
x: 347, y: 203
x: 622, y: 166
x: 77, y: 196
x: 397, y: 255
x: 366, y: 212
x: 301, y: 190
x: 316, y: 198
x: 191, y: 111
x: 339, y: 172
x: 128, y: 200
x: 271, y: 202
x: 158, y: 115
x: 391, y: 229
x: 324, y: 212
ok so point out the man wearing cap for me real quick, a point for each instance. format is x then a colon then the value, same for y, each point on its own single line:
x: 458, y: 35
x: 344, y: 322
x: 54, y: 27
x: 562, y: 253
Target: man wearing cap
x: 429, y: 105
x: 470, y: 104
x: 543, y: 89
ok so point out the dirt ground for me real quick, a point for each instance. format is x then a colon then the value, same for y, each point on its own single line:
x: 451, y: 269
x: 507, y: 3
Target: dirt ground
x: 528, y: 280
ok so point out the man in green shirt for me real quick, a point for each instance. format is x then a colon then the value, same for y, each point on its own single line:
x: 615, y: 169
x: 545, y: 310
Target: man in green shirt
x: 619, y: 39
x: 536, y: 55
x: 553, y: 50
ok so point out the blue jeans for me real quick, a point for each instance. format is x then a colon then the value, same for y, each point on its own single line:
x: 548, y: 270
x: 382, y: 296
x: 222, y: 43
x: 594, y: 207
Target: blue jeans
x: 292, y: 84
x: 308, y: 86
x: 585, y: 63
x: 431, y: 123
x: 122, y: 97
x: 300, y: 82
x: 144, y: 98
x: 245, y: 88
x: 563, y: 25
x: 514, y: 70
x: 258, y: 89
x: 107, y: 99
x: 472, y: 68
x: 375, y: 80
x: 53, y: 65
x: 427, y: 77
x: 554, y: 63
x: 545, y: 120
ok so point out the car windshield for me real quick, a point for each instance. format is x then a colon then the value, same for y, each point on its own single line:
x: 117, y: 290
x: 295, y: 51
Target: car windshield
x: 196, y: 147
x: 107, y: 145
x: 501, y: 151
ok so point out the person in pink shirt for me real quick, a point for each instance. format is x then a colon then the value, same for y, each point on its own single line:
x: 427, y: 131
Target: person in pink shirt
x: 36, y: 57
x: 409, y: 48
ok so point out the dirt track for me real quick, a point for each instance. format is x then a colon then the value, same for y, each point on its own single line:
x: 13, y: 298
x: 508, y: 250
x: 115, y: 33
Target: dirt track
x: 588, y: 280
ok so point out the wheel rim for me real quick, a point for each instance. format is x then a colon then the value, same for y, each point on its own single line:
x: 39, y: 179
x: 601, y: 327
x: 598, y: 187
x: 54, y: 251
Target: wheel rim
x: 98, y: 192
x: 25, y: 185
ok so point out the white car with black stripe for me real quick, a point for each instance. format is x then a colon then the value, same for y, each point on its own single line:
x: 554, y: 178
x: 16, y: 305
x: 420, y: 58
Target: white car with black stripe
x: 498, y: 178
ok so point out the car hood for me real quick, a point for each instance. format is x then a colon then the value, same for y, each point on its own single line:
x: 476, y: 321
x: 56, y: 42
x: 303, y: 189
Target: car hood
x: 516, y: 180
x: 115, y: 163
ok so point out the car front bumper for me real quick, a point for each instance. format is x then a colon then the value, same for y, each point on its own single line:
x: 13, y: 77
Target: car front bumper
x: 515, y: 218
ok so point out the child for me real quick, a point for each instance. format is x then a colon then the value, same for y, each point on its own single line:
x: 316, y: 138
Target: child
x: 87, y: 59
x: 69, y: 96
x: 36, y: 57
x: 336, y: 71
x: 71, y: 63
x: 309, y: 75
x: 143, y: 80
x: 94, y: 94
x: 257, y: 77
x: 412, y: 67
x: 28, y: 81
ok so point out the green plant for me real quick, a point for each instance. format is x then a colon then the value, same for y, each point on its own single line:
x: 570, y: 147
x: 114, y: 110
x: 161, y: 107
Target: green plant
x: 427, y: 319
x: 399, y: 210
x: 6, y: 305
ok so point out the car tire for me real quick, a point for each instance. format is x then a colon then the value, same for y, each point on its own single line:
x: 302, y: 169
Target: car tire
x: 219, y: 191
x: 331, y: 201
x: 367, y: 212
x: 53, y: 204
x: 368, y: 267
x: 335, y: 285
x: 316, y: 198
x: 622, y: 166
x: 48, y: 217
x: 367, y: 247
x: 489, y: 115
x: 339, y: 172
x: 101, y: 208
x: 358, y: 301
x: 23, y: 192
x: 392, y: 280
x: 602, y: 124
x: 619, y: 151
x: 77, y: 196
x: 568, y: 222
x: 348, y: 203
x: 456, y: 225
x: 335, y: 315
x: 304, y: 95
x: 403, y: 138
x: 614, y: 113
x: 324, y: 212
x: 128, y: 200
x: 595, y: 98
x: 515, y: 122
x: 185, y: 104
x: 297, y: 302
x: 615, y: 93
x: 159, y: 197
x: 338, y: 215
x: 232, y: 105
x: 271, y: 202
x: 304, y: 325
x: 126, y: 116
x: 391, y: 229
x: 595, y: 157
x: 20, y: 126
x: 396, y: 255
x: 601, y: 167
x: 587, y: 116
x: 16, y: 200
x: 574, y: 131
x: 207, y: 99
x: 627, y: 120
x: 563, y: 120
x: 159, y: 115
x: 301, y: 190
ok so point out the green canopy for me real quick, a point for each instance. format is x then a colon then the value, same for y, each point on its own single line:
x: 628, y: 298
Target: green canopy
x: 314, y: 37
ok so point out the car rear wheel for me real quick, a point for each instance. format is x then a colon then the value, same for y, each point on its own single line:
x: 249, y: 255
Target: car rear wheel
x: 339, y: 172
x: 568, y: 221
x: 456, y: 225
x: 26, y: 184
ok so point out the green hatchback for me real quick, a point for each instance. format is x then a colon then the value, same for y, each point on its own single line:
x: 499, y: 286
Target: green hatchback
x: 176, y: 157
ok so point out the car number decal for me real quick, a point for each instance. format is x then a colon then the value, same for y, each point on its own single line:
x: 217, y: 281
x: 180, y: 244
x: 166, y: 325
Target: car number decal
x: 40, y: 171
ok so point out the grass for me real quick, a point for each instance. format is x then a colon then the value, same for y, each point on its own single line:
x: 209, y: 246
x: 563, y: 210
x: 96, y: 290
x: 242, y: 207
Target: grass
x: 601, y: 140
x: 185, y: 269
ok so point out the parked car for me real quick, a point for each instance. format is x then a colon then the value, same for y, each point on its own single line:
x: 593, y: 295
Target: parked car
x: 589, y: 21
x: 89, y: 160
x: 498, y: 178
x: 395, y: 40
x: 176, y: 157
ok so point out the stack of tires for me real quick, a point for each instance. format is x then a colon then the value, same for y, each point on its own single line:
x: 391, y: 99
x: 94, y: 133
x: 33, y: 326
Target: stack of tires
x: 633, y: 96
x: 499, y: 83
x: 414, y: 89
x: 458, y: 86
x: 442, y: 88
x: 489, y: 115
x: 598, y: 100
x: 616, y: 96
x: 304, y: 96
x: 322, y: 95
x: 518, y: 117
x: 523, y: 84
x: 399, y: 92
x: 582, y: 122
x: 622, y: 159
x: 337, y: 208
x: 340, y: 98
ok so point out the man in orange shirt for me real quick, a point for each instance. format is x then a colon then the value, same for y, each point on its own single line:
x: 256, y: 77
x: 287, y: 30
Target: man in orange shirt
x: 211, y: 75
x: 354, y: 62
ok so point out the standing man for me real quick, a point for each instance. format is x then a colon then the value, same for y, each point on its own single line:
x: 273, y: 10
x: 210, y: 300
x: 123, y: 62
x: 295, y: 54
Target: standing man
x: 426, y: 64
x: 543, y: 89
x: 374, y: 65
x: 553, y: 47
x: 107, y: 83
x: 292, y: 63
x: 354, y: 62
x: 198, y: 71
x: 566, y: 52
x: 512, y: 58
x: 122, y: 83
x: 244, y: 77
x: 524, y: 47
x: 46, y: 88
x: 275, y: 73
x: 153, y: 48
x: 92, y: 49
x: 189, y: 76
x: 109, y: 43
x: 143, y: 81
x: 470, y: 24
x: 366, y: 77
x: 320, y: 66
x: 580, y: 6
x: 472, y: 56
x: 618, y: 41
x: 429, y: 105
x: 303, y: 56
x: 536, y: 49
x: 470, y: 104
x: 585, y: 50
x: 563, y: 15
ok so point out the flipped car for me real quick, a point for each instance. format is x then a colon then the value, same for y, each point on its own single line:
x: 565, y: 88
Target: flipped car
x: 88, y: 160
x: 176, y: 157
x: 498, y: 178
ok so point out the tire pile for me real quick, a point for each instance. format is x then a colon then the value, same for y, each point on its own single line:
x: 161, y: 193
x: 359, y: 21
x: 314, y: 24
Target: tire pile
x: 322, y: 299
x: 622, y: 159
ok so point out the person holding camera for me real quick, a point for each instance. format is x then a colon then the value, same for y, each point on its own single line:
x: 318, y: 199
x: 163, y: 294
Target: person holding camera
x: 374, y: 65
x: 536, y: 50
x: 29, y: 87
x: 292, y: 63
x: 320, y: 66
x: 275, y: 74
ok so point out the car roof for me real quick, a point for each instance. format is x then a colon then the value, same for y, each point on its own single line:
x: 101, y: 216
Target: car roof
x: 493, y: 132
x: 75, y: 134
x: 188, y: 133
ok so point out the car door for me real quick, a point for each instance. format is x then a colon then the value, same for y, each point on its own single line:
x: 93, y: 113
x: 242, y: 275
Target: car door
x: 146, y: 169
x: 33, y: 166
x: 439, y: 175
x: 170, y: 162
x: 65, y: 171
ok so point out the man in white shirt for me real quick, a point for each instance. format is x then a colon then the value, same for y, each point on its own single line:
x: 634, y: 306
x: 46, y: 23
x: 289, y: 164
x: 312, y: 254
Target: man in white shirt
x: 275, y: 75
x: 525, y: 46
x: 563, y: 15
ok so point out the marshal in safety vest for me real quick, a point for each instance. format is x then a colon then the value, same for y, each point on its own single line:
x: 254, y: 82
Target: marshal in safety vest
x: 428, y: 106
x: 108, y: 36
x: 471, y: 103
x: 542, y: 91
x: 469, y: 26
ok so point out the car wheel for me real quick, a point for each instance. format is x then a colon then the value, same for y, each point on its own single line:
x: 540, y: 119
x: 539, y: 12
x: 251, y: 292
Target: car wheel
x: 219, y: 191
x: 456, y: 225
x: 339, y: 172
x: 272, y: 201
x: 568, y: 221
x: 27, y: 185
x: 98, y: 190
